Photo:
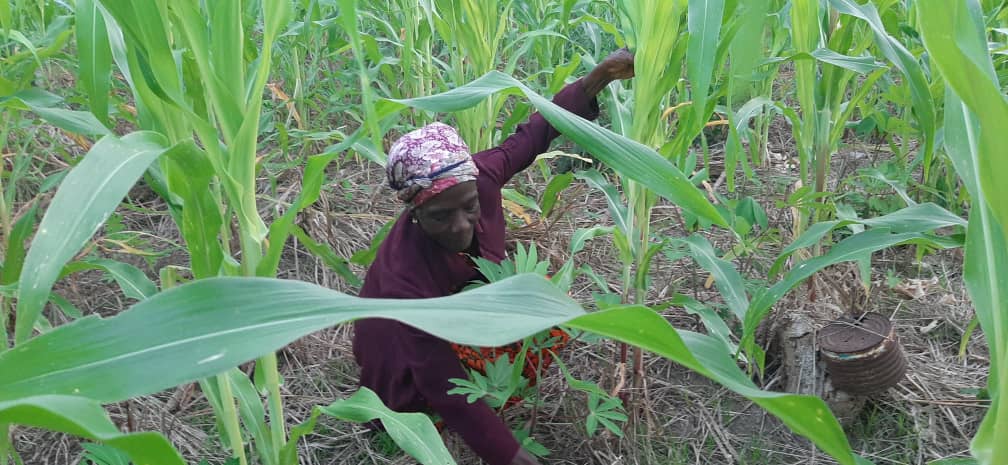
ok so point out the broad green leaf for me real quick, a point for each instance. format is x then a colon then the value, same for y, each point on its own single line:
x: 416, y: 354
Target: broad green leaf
x: 959, y: 51
x: 100, y: 454
x: 552, y: 192
x: 43, y: 104
x: 227, y: 45
x: 954, y: 461
x: 617, y: 207
x: 15, y: 254
x: 917, y: 218
x: 583, y: 235
x: 715, y: 325
x: 86, y: 418
x: 327, y: 255
x: 806, y: 415
x: 253, y: 414
x: 5, y: 15
x: 805, y: 38
x: 520, y: 199
x: 94, y: 57
x: 413, y: 432
x: 704, y: 25
x: 367, y: 256
x: 142, y: 25
x: 860, y: 65
x: 747, y: 49
x: 84, y: 200
x: 133, y: 282
x: 960, y: 142
x: 986, y: 277
x: 628, y: 157
x: 202, y: 328
x: 955, y: 36
x: 727, y: 278
x: 188, y: 174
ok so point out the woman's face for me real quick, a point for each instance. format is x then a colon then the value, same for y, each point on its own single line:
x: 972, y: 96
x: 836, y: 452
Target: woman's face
x: 450, y: 218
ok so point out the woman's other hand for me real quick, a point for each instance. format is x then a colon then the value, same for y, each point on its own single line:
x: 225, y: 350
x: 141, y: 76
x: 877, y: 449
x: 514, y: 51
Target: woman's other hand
x: 618, y: 65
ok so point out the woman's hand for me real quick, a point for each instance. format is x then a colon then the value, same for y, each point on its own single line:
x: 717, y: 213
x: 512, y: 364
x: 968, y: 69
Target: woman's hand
x: 618, y: 65
x: 524, y: 458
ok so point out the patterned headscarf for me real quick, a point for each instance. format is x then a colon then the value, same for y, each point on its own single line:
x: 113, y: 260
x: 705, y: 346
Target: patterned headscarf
x: 427, y: 161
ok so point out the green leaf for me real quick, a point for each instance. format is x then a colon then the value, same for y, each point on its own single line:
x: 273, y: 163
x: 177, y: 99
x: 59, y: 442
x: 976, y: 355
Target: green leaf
x: 954, y: 461
x: 226, y: 46
x: 727, y: 278
x: 188, y: 173
x: 746, y: 49
x: 133, y: 282
x: 42, y: 103
x: 84, y: 417
x: 336, y: 263
x: 959, y: 51
x: 202, y: 328
x: 917, y: 218
x: 955, y: 37
x: 253, y: 414
x: 15, y: 254
x: 85, y: 199
x: 520, y: 199
x: 5, y: 15
x: 100, y: 454
x: 366, y: 256
x: 617, y: 208
x: 715, y: 325
x: 94, y: 57
x: 552, y: 192
x: 860, y: 65
x: 413, y: 432
x: 704, y: 24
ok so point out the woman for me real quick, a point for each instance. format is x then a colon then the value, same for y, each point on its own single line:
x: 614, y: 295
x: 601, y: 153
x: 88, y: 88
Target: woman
x: 453, y: 212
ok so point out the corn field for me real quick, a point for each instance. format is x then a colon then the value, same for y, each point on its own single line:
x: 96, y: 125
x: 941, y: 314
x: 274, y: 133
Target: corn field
x: 214, y: 170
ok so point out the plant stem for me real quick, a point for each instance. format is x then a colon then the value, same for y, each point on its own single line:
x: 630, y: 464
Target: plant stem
x: 5, y: 232
x: 5, y: 442
x: 4, y: 316
x: 643, y: 211
x: 230, y: 418
x: 278, y: 426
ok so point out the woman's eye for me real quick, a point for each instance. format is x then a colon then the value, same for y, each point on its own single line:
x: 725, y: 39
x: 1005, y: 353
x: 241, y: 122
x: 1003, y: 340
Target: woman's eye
x: 473, y: 208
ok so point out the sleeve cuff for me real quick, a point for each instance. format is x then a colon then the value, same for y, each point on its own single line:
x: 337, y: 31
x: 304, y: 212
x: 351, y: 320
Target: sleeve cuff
x: 590, y: 108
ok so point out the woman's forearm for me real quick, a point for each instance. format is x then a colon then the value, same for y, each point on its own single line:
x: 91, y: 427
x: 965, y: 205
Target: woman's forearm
x: 618, y: 65
x: 595, y: 81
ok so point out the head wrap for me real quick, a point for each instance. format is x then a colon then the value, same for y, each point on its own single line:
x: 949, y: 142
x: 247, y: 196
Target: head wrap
x: 427, y: 161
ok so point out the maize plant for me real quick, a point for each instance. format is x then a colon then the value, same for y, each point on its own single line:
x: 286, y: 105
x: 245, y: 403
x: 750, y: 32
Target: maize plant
x: 976, y: 114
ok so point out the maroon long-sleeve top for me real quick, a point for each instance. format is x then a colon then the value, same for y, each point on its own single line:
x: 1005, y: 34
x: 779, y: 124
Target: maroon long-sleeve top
x: 409, y: 368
